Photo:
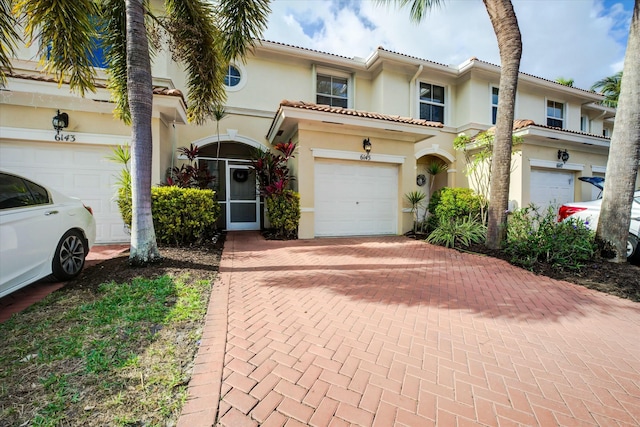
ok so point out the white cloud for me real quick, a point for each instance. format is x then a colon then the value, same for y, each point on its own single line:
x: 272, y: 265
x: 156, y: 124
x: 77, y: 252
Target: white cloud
x: 579, y: 39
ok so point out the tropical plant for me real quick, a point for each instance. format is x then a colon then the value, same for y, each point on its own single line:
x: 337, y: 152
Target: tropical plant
x: 202, y: 35
x: 274, y: 176
x: 624, y: 152
x: 609, y: 87
x: 192, y: 174
x: 272, y: 170
x: 505, y: 25
x: 415, y: 199
x: 478, y: 152
x: 121, y: 155
x: 534, y: 236
x: 451, y: 203
x: 457, y: 232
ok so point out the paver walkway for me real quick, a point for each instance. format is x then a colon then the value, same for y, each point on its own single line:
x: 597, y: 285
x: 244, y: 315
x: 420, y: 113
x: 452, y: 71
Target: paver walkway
x: 389, y: 331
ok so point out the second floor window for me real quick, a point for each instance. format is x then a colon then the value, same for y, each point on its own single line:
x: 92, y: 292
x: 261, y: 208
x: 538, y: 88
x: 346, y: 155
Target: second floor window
x: 555, y: 114
x: 494, y: 105
x: 431, y: 102
x: 233, y: 76
x: 332, y: 91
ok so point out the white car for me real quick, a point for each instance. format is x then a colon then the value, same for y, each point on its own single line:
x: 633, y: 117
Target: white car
x: 42, y: 232
x: 589, y: 212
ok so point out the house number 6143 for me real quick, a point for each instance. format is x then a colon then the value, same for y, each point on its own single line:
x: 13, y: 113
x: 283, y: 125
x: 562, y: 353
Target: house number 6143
x: 61, y: 137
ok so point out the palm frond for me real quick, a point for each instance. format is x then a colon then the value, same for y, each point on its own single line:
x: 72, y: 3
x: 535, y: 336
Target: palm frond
x: 418, y: 8
x: 8, y: 38
x: 242, y: 23
x: 198, y: 44
x: 67, y: 34
x: 113, y: 12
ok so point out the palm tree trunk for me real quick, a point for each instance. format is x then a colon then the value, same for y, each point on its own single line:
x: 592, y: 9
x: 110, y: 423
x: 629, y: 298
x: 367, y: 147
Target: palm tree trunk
x: 144, y: 248
x: 505, y: 25
x: 624, y: 152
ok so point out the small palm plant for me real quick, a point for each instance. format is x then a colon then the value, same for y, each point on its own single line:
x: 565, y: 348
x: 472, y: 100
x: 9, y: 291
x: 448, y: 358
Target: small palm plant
x: 415, y: 199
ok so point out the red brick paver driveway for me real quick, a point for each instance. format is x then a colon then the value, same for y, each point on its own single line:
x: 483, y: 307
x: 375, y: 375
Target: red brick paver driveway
x: 388, y: 331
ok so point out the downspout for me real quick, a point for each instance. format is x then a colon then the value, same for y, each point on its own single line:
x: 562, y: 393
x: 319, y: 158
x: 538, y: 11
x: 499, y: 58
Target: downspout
x: 412, y: 93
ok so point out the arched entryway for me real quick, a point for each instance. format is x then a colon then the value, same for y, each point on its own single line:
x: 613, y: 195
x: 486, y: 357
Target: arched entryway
x: 434, y: 168
x: 228, y: 159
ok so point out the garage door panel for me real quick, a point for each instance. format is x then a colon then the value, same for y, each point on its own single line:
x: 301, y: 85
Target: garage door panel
x: 551, y: 188
x: 355, y: 199
x: 77, y: 171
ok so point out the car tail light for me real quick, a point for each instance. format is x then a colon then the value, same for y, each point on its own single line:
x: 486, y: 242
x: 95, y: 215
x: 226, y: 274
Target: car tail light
x: 567, y: 211
x: 89, y: 209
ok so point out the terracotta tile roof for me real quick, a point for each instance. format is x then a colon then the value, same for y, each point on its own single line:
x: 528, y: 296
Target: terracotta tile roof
x: 158, y: 90
x: 522, y: 123
x: 357, y: 113
x: 474, y: 59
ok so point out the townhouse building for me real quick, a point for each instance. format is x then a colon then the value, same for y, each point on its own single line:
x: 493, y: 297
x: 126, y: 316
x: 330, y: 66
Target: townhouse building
x: 365, y: 129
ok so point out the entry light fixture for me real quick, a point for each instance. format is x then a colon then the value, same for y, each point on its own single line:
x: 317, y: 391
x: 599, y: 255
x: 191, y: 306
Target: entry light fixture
x: 366, y: 144
x: 60, y: 121
x: 563, y: 155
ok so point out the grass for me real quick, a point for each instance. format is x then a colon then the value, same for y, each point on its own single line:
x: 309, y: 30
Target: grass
x: 118, y: 354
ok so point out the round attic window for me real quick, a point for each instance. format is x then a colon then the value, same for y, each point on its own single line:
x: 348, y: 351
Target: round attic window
x: 235, y: 78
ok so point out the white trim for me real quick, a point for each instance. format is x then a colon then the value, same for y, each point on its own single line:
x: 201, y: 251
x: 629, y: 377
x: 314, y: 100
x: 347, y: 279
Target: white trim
x: 598, y: 169
x: 211, y: 139
x: 354, y: 155
x: 435, y: 149
x: 551, y: 164
x: 42, y: 135
x: 307, y: 210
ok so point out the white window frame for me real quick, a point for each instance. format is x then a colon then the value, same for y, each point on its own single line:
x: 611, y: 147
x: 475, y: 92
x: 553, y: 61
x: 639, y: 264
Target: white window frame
x: 584, y: 123
x: 564, y: 113
x: 243, y: 77
x: 337, y: 74
x: 493, y: 106
x: 445, y: 88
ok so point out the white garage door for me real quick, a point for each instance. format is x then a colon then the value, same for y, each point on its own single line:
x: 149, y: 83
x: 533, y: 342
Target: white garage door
x: 355, y: 199
x: 551, y: 188
x: 75, y: 170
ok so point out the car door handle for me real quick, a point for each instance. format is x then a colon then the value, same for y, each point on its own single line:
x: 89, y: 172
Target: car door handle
x: 47, y: 213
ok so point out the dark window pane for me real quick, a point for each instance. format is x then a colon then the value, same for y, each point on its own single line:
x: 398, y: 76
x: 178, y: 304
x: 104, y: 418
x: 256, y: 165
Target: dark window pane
x: 323, y: 100
x: 425, y: 92
x: 437, y: 113
x: 494, y: 115
x: 438, y: 94
x: 339, y: 102
x: 13, y: 192
x: 494, y: 96
x: 38, y: 193
x: 323, y: 85
x: 554, y: 123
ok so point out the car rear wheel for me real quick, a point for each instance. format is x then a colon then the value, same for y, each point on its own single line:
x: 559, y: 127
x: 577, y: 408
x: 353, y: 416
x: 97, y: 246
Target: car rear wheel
x: 70, y: 256
x: 633, y: 251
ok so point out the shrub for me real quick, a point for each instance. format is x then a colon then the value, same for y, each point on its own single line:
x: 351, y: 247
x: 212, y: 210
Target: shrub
x: 452, y: 203
x: 456, y: 232
x: 537, y: 237
x: 180, y: 215
x: 283, y: 210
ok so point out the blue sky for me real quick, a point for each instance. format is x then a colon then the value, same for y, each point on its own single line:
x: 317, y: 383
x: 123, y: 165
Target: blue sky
x: 580, y: 39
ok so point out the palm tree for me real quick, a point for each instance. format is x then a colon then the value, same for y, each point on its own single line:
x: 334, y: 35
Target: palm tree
x: 610, y: 88
x: 505, y: 25
x: 203, y: 37
x: 624, y: 152
x: 565, y: 82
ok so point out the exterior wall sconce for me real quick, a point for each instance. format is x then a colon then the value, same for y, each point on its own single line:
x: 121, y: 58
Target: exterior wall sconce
x: 563, y: 155
x: 60, y: 121
x: 366, y: 145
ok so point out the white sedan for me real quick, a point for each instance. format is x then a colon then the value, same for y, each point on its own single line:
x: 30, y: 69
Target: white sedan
x: 42, y: 232
x: 589, y: 212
